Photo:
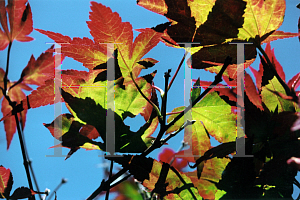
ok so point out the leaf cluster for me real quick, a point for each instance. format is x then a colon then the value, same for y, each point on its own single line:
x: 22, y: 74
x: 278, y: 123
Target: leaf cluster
x: 266, y: 122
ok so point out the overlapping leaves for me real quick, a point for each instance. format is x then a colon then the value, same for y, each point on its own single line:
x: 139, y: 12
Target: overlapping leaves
x: 214, y: 23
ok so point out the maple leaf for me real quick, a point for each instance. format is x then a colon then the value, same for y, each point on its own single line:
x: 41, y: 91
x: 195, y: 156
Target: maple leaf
x: 86, y: 111
x: 38, y: 71
x: 215, y: 114
x: 6, y: 182
x: 106, y: 27
x: 73, y: 134
x: 16, y: 95
x: 20, y: 21
x: 45, y: 94
x: 83, y: 50
x: 217, y: 22
x: 267, y: 84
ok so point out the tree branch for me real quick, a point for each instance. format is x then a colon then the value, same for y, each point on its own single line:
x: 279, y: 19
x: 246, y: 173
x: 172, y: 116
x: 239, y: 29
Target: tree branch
x: 105, y: 185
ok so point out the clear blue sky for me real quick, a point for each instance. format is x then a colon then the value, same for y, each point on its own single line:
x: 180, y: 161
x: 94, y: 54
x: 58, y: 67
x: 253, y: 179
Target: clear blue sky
x: 83, y: 170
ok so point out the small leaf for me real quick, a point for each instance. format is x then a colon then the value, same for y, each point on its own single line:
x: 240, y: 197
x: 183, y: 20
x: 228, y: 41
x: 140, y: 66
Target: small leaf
x: 196, y: 90
x: 6, y: 182
x: 38, y: 71
x: 20, y: 21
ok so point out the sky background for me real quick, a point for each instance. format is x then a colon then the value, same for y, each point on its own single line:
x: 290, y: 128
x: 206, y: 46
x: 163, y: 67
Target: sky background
x: 84, y: 170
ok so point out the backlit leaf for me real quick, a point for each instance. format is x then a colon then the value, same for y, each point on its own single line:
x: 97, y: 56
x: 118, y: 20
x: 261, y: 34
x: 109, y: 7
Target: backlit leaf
x: 20, y: 21
x: 106, y: 27
x: 87, y: 111
x: 38, y: 71
x: 85, y: 50
x: 16, y: 94
x: 214, y: 23
x: 215, y: 115
x: 6, y: 182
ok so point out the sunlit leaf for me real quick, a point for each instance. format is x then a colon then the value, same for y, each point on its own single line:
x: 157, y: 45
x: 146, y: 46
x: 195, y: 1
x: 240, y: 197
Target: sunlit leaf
x: 20, y: 22
x: 6, y: 182
x: 85, y: 50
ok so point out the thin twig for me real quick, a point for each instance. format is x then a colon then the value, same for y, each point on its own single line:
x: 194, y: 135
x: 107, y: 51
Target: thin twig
x: 25, y: 161
x: 177, y: 70
x: 218, y: 79
x: 13, y: 104
x: 143, y: 95
x: 106, y: 184
x: 7, y: 67
x: 156, y: 143
x: 33, y: 175
x: 183, y: 144
x: 120, y: 181
x: 188, y: 122
x: 182, y: 180
x: 63, y: 181
x: 110, y: 174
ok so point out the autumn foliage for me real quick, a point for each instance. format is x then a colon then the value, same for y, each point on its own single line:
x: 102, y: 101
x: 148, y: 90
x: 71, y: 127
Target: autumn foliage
x: 270, y: 110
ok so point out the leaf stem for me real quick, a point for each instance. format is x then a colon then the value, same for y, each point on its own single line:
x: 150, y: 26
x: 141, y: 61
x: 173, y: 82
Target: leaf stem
x: 143, y: 95
x: 177, y: 70
x: 218, y: 79
x: 156, y: 143
x: 7, y: 67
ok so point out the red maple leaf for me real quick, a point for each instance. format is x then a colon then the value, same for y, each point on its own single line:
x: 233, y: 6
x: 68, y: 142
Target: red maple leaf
x: 20, y: 21
x: 36, y: 72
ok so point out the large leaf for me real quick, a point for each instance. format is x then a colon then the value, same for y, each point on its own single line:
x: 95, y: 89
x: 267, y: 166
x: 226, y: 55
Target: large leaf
x: 106, y: 27
x: 272, y: 100
x: 215, y: 22
x: 20, y: 21
x: 6, y: 182
x: 215, y: 114
x: 87, y: 111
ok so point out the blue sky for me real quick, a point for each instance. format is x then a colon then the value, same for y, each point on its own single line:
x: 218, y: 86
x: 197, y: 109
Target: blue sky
x: 68, y: 17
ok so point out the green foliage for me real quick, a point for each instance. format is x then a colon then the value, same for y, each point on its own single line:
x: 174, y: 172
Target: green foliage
x: 269, y: 109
